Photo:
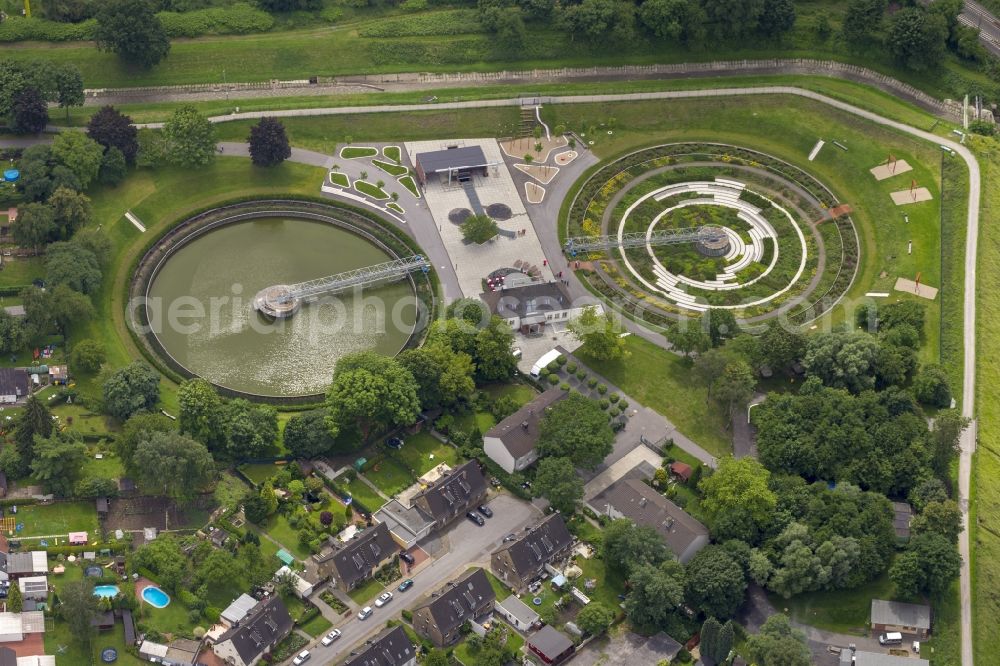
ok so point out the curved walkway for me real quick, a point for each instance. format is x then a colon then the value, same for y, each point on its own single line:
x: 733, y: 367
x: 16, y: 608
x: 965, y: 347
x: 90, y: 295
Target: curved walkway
x: 968, y: 439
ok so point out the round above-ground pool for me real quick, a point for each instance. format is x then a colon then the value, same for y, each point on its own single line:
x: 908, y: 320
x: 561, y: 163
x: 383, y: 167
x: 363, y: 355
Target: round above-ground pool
x: 202, y: 293
x: 155, y: 597
x: 93, y: 572
x: 106, y: 591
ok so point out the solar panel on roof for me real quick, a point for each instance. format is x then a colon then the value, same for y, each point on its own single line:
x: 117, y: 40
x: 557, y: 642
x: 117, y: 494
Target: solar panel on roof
x: 358, y: 561
x: 536, y: 550
x: 548, y: 544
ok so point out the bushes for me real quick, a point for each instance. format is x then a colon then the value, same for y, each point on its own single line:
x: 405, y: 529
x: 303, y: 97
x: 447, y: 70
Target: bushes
x: 36, y: 29
x: 553, y: 379
x: 452, y: 22
x: 238, y: 19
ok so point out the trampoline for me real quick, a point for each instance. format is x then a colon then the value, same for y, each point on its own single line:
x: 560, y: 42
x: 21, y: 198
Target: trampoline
x: 459, y: 215
x: 93, y: 572
x: 109, y: 655
x: 499, y: 211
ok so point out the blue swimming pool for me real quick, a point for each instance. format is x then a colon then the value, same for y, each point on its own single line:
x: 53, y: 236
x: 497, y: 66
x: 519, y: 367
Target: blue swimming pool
x: 106, y: 591
x: 155, y: 597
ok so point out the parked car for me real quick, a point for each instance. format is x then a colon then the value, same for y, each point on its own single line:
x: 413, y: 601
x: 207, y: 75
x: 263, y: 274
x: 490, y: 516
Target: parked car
x: 383, y: 599
x: 301, y: 657
x: 476, y: 518
x: 486, y: 511
x: 331, y: 637
x: 509, y: 537
x: 394, y: 443
x: 406, y: 557
x: 405, y: 585
x: 365, y: 613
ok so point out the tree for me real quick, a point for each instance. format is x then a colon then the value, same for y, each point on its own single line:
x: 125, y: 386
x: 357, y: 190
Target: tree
x: 777, y: 17
x: 843, y: 360
x: 71, y: 264
x: 57, y: 463
x: 735, y: 387
x: 730, y: 19
x: 165, y: 558
x: 189, y: 138
x: 138, y: 429
x: 720, y: 325
x: 557, y: 481
x: 687, y: 336
x: 928, y: 566
x: 656, y: 593
x: 35, y: 421
x: 113, y: 129
x: 470, y: 310
x: 35, y: 224
x: 130, y: 29
x: 87, y: 356
x: 443, y: 376
x: 716, y: 583
x: 172, y: 465
x: 113, y: 167
x: 916, y: 38
x: 737, y: 499
x: 779, y: 644
x: 716, y: 641
x: 71, y: 211
x: 15, y: 602
x: 628, y: 546
x: 863, y: 21
x: 437, y: 657
x: 931, y: 386
x: 673, y: 20
x: 576, y: 428
x: 269, y: 497
x: 371, y: 391
x: 600, y: 19
x: 479, y: 229
x: 944, y: 518
x: 78, y: 607
x: 595, y: 618
x: 780, y: 346
x: 132, y: 389
x: 68, y: 84
x: 96, y: 486
x: 927, y: 491
x: 29, y: 112
x: 253, y: 564
x: 944, y: 440
x: 219, y: 569
x: 13, y: 333
x: 67, y: 306
x: 201, y: 413
x: 494, y: 351
x: 254, y: 508
x: 600, y: 333
x: 250, y: 429
x: 79, y: 154
x: 307, y: 435
x: 269, y: 143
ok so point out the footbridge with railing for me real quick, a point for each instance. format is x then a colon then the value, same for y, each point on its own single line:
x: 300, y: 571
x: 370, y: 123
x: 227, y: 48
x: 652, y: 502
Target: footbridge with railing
x: 283, y: 300
x: 711, y: 240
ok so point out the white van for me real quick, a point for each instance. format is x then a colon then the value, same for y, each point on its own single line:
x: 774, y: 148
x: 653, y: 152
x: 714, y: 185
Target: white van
x: 543, y: 362
x: 890, y: 638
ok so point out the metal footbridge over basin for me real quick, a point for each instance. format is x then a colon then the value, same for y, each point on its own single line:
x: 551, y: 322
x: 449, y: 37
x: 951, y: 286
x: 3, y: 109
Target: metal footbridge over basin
x: 284, y: 300
x: 708, y: 237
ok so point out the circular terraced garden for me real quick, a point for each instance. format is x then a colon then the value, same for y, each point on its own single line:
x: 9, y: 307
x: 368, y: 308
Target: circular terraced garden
x: 776, y: 250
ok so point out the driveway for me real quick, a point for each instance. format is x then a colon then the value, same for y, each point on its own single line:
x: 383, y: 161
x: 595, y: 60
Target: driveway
x: 462, y: 545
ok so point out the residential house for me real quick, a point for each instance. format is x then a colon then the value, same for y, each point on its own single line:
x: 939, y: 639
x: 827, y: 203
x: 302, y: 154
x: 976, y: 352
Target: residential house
x: 407, y: 523
x: 523, y: 560
x: 468, y: 599
x: 511, y: 443
x: 517, y: 613
x: 453, y: 495
x: 632, y: 498
x: 34, y: 587
x: 14, y: 385
x: 354, y: 562
x: 236, y: 611
x: 303, y: 587
x: 14, y: 626
x: 31, y: 563
x: 260, y: 631
x: 861, y: 658
x: 910, y: 619
x: 392, y: 647
x: 551, y: 646
x: 528, y: 307
x: 8, y: 657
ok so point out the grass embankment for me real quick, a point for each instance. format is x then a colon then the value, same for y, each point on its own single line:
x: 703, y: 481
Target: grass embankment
x: 985, y: 526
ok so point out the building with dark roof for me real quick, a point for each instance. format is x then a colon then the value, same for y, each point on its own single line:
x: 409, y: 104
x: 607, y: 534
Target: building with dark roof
x: 511, y: 443
x: 529, y: 307
x: 455, y: 493
x: 357, y: 560
x: 631, y: 498
x: 246, y: 642
x: 440, y: 619
x: 14, y: 385
x: 523, y: 560
x: 910, y: 619
x: 902, y: 514
x: 392, y: 647
x: 551, y: 646
x: 454, y: 163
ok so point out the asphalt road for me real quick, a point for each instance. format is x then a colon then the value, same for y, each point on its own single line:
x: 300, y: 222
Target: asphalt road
x: 467, y: 545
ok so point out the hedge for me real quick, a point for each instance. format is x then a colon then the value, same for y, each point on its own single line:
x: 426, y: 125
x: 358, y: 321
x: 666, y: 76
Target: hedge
x: 36, y: 29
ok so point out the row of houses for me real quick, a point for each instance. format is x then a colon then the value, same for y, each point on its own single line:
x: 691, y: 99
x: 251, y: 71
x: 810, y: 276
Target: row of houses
x: 16, y: 383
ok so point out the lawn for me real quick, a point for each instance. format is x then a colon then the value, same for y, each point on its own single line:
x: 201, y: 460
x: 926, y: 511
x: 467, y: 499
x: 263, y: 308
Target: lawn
x: 340, y: 179
x: 394, y: 170
x: 280, y: 530
x: 259, y: 472
x: 501, y: 590
x: 20, y: 272
x: 370, y: 189
x: 82, y: 421
x: 410, y: 184
x: 362, y: 595
x: 317, y: 626
x: 108, y: 467
x: 358, y: 153
x: 389, y: 475
x: 68, y: 652
x: 393, y: 153
x: 466, y: 655
x: 364, y: 494
x: 59, y: 518
x: 609, y: 583
x: 395, y: 207
x: 662, y: 381
x: 843, y: 611
x: 422, y: 452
